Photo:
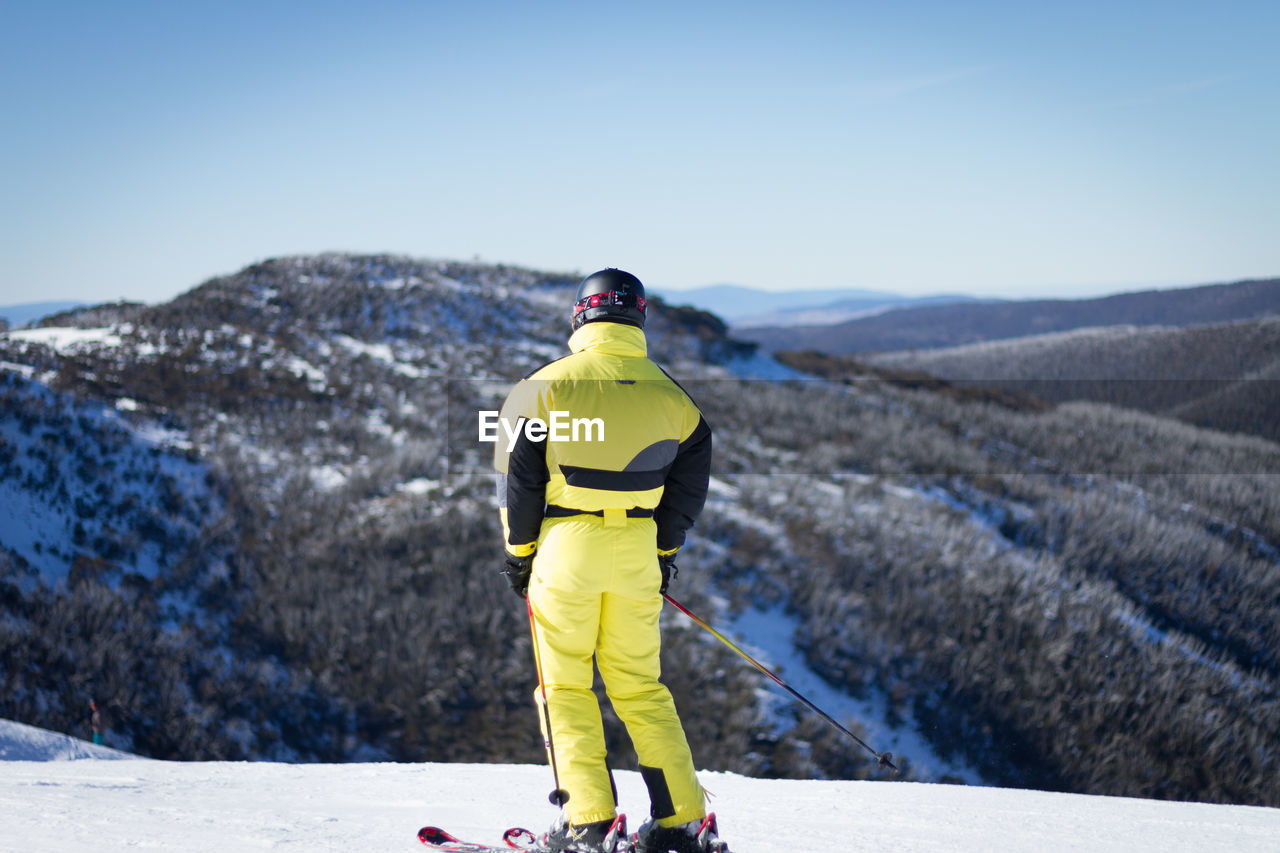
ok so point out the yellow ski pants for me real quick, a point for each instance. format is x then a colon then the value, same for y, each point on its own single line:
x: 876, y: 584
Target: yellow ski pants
x: 594, y: 593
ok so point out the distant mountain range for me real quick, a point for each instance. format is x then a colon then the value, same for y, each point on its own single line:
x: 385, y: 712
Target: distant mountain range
x: 746, y: 307
x: 960, y: 323
x: 20, y: 315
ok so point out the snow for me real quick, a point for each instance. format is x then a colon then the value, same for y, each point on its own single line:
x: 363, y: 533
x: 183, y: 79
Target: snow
x: 419, y: 486
x: 771, y: 634
x: 72, y: 801
x: 328, y: 477
x: 381, y: 353
x: 153, y: 433
x: 761, y: 366
x: 20, y: 742
x: 66, y: 339
x: 22, y: 369
x: 317, y: 381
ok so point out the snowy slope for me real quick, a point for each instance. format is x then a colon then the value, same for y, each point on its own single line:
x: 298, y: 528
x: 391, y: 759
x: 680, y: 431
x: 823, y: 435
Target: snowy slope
x: 73, y: 474
x: 20, y: 742
x: 94, y: 805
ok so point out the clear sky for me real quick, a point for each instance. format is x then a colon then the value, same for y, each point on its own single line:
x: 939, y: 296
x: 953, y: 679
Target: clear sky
x: 1018, y: 149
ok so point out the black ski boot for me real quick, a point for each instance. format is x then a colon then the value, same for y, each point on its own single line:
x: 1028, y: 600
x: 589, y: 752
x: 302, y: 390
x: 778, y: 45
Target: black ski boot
x: 699, y: 836
x: 606, y: 836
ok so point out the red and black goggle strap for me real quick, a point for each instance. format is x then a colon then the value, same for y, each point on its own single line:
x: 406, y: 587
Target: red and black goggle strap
x: 623, y: 298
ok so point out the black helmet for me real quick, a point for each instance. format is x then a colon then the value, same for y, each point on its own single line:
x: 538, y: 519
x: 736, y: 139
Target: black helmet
x: 611, y: 295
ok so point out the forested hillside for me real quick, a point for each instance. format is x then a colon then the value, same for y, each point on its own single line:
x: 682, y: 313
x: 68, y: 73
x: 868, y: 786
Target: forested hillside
x: 1225, y: 376
x: 1075, y: 596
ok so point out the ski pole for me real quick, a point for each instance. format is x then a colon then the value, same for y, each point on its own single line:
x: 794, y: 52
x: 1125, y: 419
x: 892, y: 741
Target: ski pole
x: 883, y: 759
x: 559, y: 796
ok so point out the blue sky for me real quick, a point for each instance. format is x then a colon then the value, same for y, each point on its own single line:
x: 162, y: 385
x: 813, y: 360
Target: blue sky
x: 1018, y: 149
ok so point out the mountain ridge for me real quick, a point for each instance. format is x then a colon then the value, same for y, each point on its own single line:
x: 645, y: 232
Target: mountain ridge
x: 931, y: 327
x: 742, y: 306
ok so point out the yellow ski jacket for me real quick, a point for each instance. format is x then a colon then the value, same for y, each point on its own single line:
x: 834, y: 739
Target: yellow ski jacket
x: 603, y: 431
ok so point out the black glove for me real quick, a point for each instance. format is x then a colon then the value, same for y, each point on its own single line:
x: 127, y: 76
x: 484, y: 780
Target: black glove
x: 517, y: 571
x: 669, y: 571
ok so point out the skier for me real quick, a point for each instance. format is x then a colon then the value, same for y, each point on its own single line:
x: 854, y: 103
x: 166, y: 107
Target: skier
x: 592, y: 520
x: 96, y: 723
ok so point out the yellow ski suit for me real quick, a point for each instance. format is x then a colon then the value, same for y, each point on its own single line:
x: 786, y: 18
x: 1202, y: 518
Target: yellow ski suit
x: 619, y: 474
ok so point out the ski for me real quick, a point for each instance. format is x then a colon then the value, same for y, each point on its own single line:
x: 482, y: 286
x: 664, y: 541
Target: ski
x: 518, y: 838
x: 435, y: 838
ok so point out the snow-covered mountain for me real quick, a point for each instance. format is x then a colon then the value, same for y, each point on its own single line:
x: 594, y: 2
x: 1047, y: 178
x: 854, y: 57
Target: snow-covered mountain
x: 60, y: 800
x: 256, y: 523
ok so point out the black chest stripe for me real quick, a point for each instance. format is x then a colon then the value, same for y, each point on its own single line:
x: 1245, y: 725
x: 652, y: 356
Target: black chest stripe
x: 613, y: 481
